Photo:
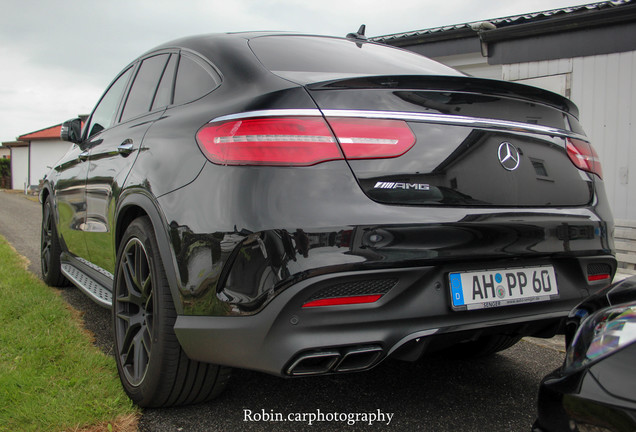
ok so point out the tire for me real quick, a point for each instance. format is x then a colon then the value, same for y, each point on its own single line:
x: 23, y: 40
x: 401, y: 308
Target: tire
x: 50, y: 249
x: 483, y: 347
x: 154, y: 370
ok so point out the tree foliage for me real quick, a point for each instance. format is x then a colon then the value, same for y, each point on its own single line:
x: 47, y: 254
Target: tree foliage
x: 5, y: 167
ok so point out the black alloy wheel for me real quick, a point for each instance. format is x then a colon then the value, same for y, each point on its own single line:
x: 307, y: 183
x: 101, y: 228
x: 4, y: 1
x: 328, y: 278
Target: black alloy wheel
x: 154, y: 370
x: 134, y: 312
x: 50, y: 249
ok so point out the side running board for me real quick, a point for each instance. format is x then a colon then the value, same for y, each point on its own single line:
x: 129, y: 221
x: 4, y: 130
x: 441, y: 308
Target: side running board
x: 96, y: 291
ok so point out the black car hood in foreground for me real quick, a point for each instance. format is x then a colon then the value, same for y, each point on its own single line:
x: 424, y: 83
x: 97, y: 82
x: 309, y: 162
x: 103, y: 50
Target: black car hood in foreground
x: 595, y: 389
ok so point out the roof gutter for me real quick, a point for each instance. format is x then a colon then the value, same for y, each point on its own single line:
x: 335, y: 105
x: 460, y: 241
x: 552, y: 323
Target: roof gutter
x: 461, y: 33
x: 552, y: 24
x: 561, y: 24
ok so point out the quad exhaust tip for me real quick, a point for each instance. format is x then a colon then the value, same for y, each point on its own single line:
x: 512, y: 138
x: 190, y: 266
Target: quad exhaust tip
x: 348, y: 359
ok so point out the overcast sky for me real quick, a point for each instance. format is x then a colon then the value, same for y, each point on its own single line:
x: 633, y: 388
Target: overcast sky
x: 57, y: 57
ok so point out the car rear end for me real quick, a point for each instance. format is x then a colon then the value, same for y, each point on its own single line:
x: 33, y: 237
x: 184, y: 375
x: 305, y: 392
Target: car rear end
x: 411, y: 209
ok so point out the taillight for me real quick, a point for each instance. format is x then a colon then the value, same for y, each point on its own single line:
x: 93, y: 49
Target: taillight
x: 583, y: 156
x: 302, y: 141
x: 362, y: 138
x: 299, y: 141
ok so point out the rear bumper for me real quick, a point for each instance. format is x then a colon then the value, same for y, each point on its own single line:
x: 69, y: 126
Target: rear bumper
x: 414, y: 315
x: 233, y: 252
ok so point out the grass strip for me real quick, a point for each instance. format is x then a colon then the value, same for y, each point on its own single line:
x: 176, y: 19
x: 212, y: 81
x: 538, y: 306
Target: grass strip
x: 51, y: 377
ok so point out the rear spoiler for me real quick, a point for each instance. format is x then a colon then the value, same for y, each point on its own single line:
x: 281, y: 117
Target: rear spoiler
x: 452, y: 84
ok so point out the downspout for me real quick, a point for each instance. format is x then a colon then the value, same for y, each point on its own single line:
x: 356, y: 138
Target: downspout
x: 26, y: 187
x: 11, y: 167
x: 481, y: 28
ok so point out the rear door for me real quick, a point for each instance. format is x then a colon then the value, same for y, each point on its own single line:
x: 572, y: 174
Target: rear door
x: 114, y: 150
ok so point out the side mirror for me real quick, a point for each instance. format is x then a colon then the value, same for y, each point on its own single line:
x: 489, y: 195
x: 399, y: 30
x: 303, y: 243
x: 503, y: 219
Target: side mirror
x: 72, y: 131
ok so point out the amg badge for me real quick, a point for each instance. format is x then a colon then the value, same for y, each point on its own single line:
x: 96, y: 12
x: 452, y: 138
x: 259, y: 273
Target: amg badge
x: 404, y: 186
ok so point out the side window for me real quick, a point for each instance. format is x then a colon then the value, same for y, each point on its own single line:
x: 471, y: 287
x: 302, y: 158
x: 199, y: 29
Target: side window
x: 194, y: 80
x: 104, y: 114
x: 143, y: 89
x: 164, y: 92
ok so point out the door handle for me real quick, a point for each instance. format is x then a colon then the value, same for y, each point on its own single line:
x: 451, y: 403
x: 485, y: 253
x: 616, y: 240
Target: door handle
x: 126, y: 147
x: 83, y: 156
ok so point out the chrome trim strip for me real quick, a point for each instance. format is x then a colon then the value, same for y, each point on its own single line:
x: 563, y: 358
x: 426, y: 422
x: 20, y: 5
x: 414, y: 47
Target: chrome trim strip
x: 456, y: 120
x: 270, y: 113
x: 476, y: 122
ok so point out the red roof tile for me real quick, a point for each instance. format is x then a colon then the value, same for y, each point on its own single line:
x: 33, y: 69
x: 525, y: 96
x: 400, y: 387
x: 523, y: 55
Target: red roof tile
x: 52, y: 132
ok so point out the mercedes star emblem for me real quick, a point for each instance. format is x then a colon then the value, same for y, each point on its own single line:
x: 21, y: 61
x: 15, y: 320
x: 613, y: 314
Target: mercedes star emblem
x: 508, y: 156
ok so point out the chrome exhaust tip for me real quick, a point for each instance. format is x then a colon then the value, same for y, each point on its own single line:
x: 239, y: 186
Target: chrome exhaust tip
x: 314, y: 363
x: 345, y: 359
x: 358, y: 359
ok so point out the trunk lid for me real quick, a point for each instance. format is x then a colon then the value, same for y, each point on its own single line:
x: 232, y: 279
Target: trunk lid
x: 477, y: 142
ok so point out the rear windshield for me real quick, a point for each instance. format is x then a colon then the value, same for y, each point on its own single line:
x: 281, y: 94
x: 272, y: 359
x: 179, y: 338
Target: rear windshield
x: 341, y: 56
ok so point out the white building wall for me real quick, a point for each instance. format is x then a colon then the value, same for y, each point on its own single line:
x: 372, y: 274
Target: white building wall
x: 44, y: 155
x: 19, y: 167
x: 473, y: 64
x: 603, y: 88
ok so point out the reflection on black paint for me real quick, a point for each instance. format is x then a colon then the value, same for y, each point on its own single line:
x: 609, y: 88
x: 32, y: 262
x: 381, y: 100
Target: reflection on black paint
x: 459, y: 166
x: 237, y: 273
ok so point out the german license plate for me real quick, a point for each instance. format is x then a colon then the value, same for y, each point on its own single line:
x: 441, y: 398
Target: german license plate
x: 495, y: 288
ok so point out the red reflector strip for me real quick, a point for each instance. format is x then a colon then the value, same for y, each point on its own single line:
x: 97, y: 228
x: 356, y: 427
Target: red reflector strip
x: 335, y: 301
x: 594, y: 278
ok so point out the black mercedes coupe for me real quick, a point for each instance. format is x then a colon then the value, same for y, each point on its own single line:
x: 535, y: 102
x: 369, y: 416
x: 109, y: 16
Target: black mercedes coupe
x: 303, y: 205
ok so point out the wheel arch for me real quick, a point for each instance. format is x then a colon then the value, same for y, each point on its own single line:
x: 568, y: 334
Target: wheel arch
x: 45, y: 192
x: 139, y: 203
